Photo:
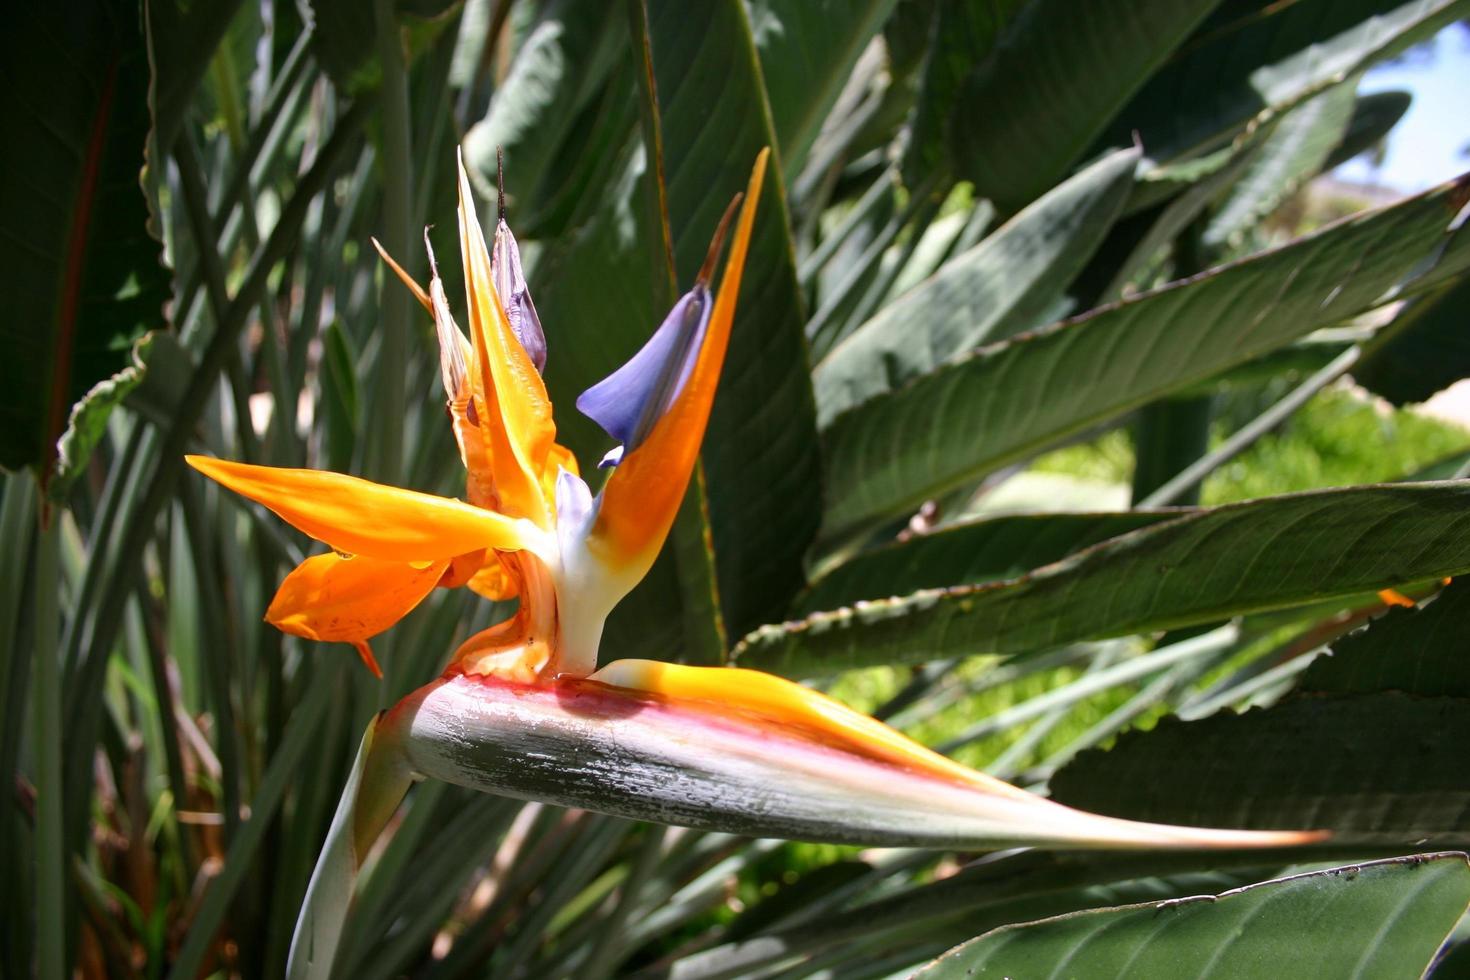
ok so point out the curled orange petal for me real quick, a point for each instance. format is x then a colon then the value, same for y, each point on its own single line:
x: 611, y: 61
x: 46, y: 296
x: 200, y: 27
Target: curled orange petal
x: 348, y: 600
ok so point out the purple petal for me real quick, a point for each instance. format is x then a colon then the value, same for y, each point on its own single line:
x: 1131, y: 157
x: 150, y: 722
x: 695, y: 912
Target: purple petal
x: 631, y: 400
x: 510, y: 285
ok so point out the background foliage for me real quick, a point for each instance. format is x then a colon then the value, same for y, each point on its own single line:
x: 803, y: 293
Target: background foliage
x: 1021, y: 291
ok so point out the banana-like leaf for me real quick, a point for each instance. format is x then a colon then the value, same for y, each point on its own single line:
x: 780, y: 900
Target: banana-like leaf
x: 997, y: 288
x: 741, y: 768
x: 1416, y: 651
x: 563, y: 62
x: 1388, y: 918
x: 961, y: 35
x: 1026, y: 119
x: 1237, y: 67
x: 1295, y: 152
x: 969, y: 553
x: 807, y: 51
x: 760, y: 450
x: 1385, y: 767
x: 1430, y: 353
x: 1003, y: 403
x: 1206, y: 566
x: 1373, y: 116
x: 82, y: 279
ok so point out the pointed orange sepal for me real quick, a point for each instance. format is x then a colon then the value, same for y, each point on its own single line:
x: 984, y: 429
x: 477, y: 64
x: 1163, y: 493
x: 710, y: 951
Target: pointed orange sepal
x: 645, y: 491
x: 517, y: 425
x: 360, y: 517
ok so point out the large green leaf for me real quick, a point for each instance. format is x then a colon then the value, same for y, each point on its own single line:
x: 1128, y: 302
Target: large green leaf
x: 970, y: 553
x: 1416, y: 651
x: 962, y: 33
x: 596, y: 303
x: 1293, y: 153
x: 1384, y: 767
x: 1005, y: 402
x: 1233, y: 71
x: 1200, y: 568
x: 807, y: 50
x: 1043, y: 94
x: 1430, y: 352
x: 1381, y: 919
x: 997, y: 288
x: 1373, y: 116
x: 82, y: 279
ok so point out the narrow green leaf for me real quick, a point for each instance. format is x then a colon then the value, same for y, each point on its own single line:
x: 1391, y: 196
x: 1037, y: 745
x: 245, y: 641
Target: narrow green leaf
x: 970, y: 553
x: 51, y: 855
x: 284, y: 767
x: 1384, y: 767
x: 561, y: 65
x: 82, y: 278
x: 1295, y: 152
x: 807, y: 50
x: 1200, y: 568
x: 339, y: 397
x: 977, y: 414
x: 1031, y: 109
x: 1001, y: 286
x: 1387, y: 919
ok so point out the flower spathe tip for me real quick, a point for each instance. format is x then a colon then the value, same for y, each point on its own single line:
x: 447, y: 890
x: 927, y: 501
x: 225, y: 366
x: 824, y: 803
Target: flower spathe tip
x: 746, y: 753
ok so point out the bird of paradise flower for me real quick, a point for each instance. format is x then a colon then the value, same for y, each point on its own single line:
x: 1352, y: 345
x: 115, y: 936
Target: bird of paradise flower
x: 523, y: 709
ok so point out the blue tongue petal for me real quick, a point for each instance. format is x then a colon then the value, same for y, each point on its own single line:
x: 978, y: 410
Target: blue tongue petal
x: 629, y: 402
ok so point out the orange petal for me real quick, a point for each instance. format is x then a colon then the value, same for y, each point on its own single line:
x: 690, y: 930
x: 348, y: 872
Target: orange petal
x: 344, y: 600
x: 645, y: 490
x: 518, y: 430
x: 494, y: 581
x: 364, y: 518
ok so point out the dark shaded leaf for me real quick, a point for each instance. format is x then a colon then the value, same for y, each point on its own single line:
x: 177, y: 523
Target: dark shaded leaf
x: 1385, y: 767
x: 968, y: 554
x: 1417, y: 651
x: 1227, y: 75
x: 1031, y: 109
x: 1373, y: 116
x: 1429, y: 354
x: 961, y: 34
x: 82, y: 279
